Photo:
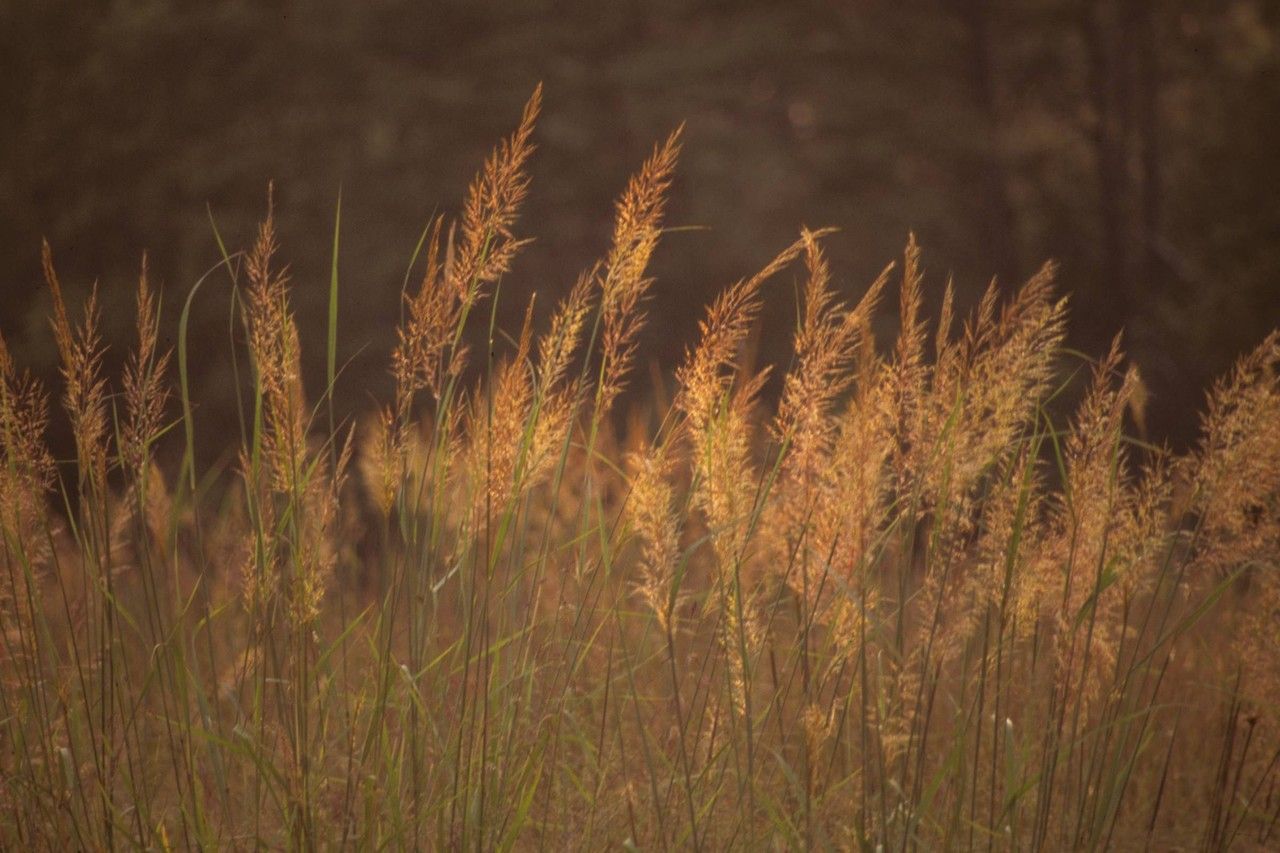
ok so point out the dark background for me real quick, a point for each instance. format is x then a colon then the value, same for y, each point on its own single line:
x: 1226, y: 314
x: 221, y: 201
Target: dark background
x: 1135, y: 141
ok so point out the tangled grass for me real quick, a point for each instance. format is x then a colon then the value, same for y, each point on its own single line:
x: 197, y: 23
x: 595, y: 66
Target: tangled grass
x: 903, y: 609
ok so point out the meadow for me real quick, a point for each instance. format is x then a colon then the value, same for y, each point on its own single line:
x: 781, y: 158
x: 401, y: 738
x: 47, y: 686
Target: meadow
x: 532, y: 602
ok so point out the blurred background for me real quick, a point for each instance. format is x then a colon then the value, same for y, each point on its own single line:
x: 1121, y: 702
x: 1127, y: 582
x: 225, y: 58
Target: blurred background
x: 1136, y: 142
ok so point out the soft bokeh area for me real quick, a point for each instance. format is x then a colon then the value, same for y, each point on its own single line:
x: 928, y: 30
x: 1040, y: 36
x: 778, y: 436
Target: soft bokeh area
x: 1137, y: 143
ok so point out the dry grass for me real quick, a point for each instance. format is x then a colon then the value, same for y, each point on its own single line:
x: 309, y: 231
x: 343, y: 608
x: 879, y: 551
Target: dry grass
x: 904, y: 609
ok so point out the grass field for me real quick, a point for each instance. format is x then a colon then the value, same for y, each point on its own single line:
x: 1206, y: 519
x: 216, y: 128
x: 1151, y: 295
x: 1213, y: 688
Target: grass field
x: 904, y: 605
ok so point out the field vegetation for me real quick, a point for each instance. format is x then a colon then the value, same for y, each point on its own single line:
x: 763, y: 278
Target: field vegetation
x: 893, y: 600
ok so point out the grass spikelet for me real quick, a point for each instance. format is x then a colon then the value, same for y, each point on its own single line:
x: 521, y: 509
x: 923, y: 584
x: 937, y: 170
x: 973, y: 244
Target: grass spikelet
x: 380, y: 463
x: 623, y: 284
x: 1010, y: 539
x: 721, y: 334
x: 426, y: 333
x: 288, y: 479
x: 1236, y: 471
x: 430, y: 353
x: 987, y: 386
x: 145, y: 392
x: 653, y: 516
x: 486, y: 245
x: 28, y: 472
x: 496, y: 432
x: 557, y: 346
x: 910, y: 373
x: 27, y: 475
x: 856, y: 503
x: 827, y: 341
x: 1095, y: 491
x: 85, y: 390
x: 1235, y: 475
x: 273, y: 343
x: 718, y: 425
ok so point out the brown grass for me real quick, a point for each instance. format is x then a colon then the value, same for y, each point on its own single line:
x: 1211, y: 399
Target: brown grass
x: 903, y: 607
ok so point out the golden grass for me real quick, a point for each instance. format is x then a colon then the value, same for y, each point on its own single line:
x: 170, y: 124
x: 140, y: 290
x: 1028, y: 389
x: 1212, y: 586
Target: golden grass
x: 903, y: 608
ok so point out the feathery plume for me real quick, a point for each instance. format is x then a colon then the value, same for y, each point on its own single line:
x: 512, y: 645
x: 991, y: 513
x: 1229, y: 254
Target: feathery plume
x: 1235, y: 474
x: 1236, y: 469
x: 652, y: 513
x: 718, y: 425
x: 721, y: 333
x: 807, y: 499
x: 85, y: 390
x: 430, y: 350
x: 28, y: 472
x: 557, y: 346
x: 487, y: 244
x: 298, y: 561
x: 145, y: 393
x: 623, y: 285
x: 27, y: 476
x: 1073, y: 562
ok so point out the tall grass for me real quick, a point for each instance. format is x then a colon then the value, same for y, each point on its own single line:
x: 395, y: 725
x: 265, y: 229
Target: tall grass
x: 903, y: 608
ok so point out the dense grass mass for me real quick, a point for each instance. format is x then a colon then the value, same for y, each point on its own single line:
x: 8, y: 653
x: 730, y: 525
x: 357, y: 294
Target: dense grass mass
x: 901, y: 608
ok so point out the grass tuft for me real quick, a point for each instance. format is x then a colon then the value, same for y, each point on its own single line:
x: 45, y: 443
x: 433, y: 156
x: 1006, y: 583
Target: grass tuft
x: 902, y: 608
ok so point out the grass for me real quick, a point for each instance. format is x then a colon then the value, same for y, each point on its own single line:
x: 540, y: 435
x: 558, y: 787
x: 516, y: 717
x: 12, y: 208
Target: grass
x: 901, y: 609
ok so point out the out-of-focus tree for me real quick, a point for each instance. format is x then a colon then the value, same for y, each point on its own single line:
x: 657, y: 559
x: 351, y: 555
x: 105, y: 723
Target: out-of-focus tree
x: 1134, y: 141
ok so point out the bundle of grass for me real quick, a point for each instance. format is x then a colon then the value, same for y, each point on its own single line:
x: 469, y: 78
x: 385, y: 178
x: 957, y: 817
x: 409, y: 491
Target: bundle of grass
x: 903, y: 607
